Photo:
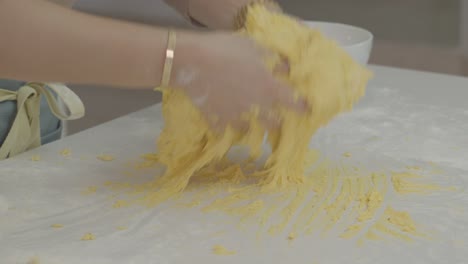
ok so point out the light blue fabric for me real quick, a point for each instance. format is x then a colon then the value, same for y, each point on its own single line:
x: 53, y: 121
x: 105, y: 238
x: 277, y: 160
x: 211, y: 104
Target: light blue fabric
x: 51, y: 127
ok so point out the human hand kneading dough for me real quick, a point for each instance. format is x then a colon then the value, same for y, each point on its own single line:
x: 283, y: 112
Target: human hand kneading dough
x: 226, y: 76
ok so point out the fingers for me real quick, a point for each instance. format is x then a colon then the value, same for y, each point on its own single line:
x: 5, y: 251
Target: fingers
x: 284, y: 96
x: 282, y: 68
x: 223, y: 119
x: 271, y: 120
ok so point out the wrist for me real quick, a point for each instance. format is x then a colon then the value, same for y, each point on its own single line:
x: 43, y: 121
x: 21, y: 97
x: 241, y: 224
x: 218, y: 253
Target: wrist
x: 188, y: 53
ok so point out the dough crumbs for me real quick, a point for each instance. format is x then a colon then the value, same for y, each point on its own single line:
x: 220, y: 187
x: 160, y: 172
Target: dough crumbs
x: 34, y: 260
x: 108, y: 183
x: 65, y: 152
x: 394, y: 223
x: 90, y: 190
x: 57, y: 226
x: 120, y: 204
x: 36, y: 158
x: 105, y: 158
x: 400, y: 219
x: 88, y: 237
x: 122, y: 228
x: 413, y: 167
x: 371, y: 202
x: 222, y: 251
x: 352, y: 231
x: 404, y: 183
x: 372, y: 236
x: 435, y: 169
x: 347, y: 155
x: 331, y: 196
x: 292, y: 236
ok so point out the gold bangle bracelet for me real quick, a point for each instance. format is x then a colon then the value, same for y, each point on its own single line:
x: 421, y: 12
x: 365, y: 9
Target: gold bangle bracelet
x: 169, y: 61
x: 241, y: 16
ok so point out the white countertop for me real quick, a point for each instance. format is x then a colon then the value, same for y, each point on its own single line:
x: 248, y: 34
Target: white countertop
x: 406, y: 118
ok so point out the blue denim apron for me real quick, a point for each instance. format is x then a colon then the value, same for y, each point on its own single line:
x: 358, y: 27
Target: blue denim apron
x: 51, y: 126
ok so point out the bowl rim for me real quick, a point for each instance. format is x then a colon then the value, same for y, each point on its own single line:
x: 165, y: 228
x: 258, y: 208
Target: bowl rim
x: 369, y: 37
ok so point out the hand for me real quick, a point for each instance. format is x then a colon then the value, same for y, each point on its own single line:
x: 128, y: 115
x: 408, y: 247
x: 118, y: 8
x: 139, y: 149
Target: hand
x: 226, y: 76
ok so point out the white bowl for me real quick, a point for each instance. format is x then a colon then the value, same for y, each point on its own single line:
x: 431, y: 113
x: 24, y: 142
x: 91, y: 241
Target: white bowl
x: 356, y: 41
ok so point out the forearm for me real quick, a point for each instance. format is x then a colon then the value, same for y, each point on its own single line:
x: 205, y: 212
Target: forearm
x: 46, y: 42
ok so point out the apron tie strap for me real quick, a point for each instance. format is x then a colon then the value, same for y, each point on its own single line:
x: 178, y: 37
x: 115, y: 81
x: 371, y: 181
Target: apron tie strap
x: 25, y: 131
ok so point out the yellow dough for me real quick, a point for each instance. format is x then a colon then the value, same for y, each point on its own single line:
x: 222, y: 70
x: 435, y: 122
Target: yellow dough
x: 89, y: 190
x: 105, y: 157
x: 320, y: 72
x: 88, y: 236
x: 222, y: 251
x: 120, y: 204
x: 34, y: 260
x: 280, y: 193
x: 403, y: 184
x: 65, y: 152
